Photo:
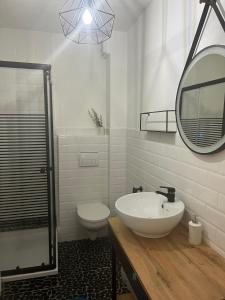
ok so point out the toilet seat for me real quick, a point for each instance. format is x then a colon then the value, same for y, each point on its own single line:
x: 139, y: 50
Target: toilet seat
x: 93, y: 212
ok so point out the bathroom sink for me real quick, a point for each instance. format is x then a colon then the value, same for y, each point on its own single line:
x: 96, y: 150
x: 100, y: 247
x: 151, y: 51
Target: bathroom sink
x: 149, y: 214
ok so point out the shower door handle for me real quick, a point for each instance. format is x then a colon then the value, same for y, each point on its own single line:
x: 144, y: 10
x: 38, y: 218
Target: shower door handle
x: 43, y: 170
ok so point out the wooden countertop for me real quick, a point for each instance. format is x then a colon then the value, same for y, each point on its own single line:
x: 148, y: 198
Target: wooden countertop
x: 170, y: 268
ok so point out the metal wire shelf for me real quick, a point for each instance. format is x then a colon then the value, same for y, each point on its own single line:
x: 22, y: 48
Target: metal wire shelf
x: 158, y: 121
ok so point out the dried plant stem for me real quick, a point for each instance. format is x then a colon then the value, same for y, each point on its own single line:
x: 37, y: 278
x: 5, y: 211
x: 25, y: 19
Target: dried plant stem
x: 97, y: 119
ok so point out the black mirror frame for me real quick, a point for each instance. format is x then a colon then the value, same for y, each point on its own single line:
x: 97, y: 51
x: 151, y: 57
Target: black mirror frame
x: 200, y: 29
x: 213, y: 148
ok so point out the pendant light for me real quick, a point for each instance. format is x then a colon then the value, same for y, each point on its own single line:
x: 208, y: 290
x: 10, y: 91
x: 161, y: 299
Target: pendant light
x: 87, y: 21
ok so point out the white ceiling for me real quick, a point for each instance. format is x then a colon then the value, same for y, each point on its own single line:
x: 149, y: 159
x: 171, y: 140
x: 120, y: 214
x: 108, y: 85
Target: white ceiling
x: 42, y: 15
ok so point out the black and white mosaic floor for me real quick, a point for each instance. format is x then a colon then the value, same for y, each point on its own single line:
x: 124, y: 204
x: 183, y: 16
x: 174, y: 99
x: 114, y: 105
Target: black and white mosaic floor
x: 84, y: 271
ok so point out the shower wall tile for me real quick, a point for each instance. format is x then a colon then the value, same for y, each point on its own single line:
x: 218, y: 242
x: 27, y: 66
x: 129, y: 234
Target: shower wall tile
x: 159, y: 159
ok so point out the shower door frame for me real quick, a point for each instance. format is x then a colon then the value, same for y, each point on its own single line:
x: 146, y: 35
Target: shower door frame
x: 52, y: 224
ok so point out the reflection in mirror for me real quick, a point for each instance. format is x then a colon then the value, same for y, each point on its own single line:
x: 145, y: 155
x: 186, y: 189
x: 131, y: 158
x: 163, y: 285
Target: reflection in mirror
x: 200, y: 101
x: 202, y: 120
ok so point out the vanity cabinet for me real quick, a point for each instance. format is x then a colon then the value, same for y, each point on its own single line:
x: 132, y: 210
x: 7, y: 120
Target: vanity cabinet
x: 118, y: 253
x: 166, y: 268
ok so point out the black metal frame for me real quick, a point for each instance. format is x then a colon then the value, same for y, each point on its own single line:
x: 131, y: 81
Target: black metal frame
x: 202, y: 22
x: 118, y: 253
x: 99, y: 29
x: 200, y: 29
x: 24, y: 65
x: 153, y: 112
x: 203, y: 84
x: 50, y: 166
x: 52, y: 171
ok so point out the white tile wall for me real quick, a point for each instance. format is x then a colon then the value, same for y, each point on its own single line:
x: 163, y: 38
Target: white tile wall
x: 105, y: 183
x: 117, y: 166
x: 77, y: 184
x: 160, y: 159
x: 131, y: 158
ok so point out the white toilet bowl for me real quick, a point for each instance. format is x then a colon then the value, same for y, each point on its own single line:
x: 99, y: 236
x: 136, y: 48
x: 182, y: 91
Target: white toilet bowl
x: 93, y: 217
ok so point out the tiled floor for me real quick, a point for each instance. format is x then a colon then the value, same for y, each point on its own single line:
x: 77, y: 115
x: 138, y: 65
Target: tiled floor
x: 84, y: 271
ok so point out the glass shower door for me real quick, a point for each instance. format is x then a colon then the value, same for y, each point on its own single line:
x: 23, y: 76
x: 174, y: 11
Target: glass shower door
x: 27, y: 211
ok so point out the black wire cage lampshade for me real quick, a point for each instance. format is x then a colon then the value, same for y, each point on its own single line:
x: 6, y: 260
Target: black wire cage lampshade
x: 87, y: 21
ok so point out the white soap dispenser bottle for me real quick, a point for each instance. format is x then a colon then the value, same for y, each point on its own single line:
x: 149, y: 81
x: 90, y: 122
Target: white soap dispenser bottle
x: 195, y: 231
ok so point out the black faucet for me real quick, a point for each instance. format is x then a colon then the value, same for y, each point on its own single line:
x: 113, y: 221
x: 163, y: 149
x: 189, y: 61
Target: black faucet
x: 170, y: 195
x: 140, y: 189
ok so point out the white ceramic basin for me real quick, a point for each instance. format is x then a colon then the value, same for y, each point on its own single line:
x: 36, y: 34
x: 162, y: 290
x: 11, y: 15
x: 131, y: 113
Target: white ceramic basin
x: 149, y: 214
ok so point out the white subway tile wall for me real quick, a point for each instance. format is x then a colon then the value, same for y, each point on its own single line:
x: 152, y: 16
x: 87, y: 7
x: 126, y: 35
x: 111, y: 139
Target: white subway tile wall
x: 117, y: 166
x: 105, y: 183
x: 162, y: 159
x: 80, y: 184
x: 131, y: 158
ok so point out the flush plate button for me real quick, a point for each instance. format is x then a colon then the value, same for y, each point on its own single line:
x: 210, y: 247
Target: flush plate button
x: 89, y: 159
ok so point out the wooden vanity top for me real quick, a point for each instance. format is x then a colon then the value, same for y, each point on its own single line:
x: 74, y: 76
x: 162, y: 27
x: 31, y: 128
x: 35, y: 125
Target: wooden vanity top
x: 170, y: 268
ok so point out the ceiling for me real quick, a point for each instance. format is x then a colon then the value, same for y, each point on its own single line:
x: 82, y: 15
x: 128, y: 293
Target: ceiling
x: 42, y: 15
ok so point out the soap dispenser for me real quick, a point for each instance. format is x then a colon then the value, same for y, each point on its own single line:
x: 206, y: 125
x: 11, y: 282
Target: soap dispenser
x: 195, y: 231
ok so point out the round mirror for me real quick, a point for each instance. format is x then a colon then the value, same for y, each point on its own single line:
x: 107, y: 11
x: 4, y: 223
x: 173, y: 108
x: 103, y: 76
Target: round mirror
x: 200, y: 103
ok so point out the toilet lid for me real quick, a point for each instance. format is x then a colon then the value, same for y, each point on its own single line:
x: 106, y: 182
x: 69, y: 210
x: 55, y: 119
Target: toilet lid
x: 93, y: 212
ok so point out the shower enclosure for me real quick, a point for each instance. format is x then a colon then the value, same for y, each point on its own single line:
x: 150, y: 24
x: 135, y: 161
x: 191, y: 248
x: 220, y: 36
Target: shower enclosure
x: 27, y: 188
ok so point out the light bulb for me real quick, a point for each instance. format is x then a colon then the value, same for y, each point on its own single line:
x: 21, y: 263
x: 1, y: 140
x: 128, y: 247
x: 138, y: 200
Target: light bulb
x: 87, y: 17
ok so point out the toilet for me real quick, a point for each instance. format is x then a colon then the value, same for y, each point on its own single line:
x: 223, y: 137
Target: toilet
x: 93, y: 217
